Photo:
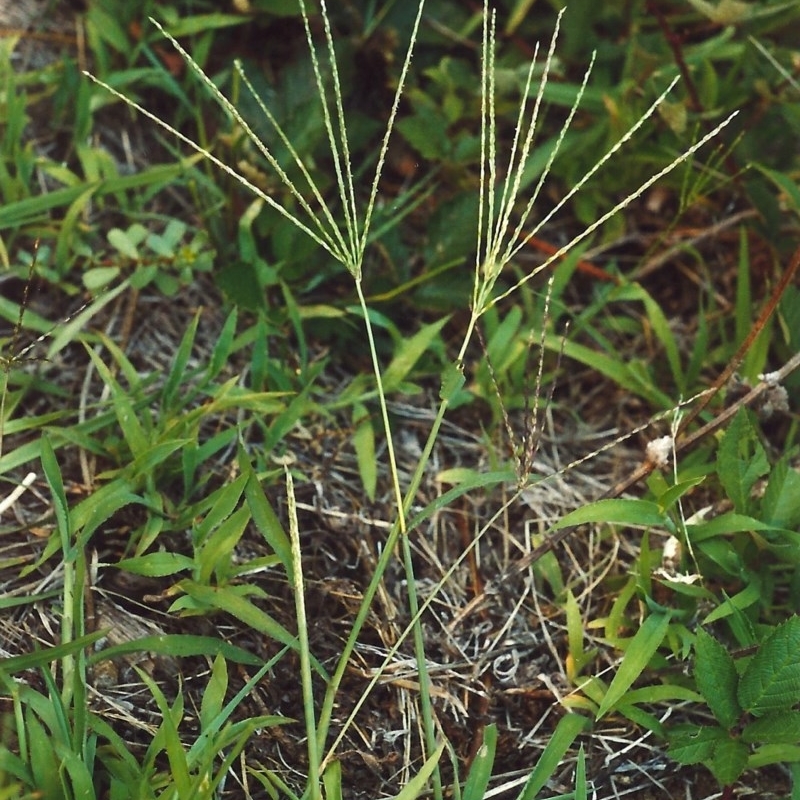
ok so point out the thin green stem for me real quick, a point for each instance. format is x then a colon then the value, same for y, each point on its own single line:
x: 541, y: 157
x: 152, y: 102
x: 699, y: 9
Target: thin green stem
x: 304, y: 646
x: 426, y: 705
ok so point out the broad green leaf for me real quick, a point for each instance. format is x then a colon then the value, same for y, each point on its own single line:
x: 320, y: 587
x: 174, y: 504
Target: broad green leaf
x: 637, y: 656
x: 779, y: 727
x: 426, y: 132
x: 122, y: 242
x: 771, y: 681
x: 781, y: 504
x: 717, y: 679
x: 729, y: 761
x: 694, y: 744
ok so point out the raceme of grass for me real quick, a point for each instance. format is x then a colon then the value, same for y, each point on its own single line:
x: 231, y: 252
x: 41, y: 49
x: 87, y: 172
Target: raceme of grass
x: 161, y: 433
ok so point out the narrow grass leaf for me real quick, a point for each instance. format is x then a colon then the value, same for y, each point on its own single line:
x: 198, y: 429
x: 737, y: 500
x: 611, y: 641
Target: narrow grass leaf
x: 744, y: 296
x: 668, y: 498
x: 784, y: 182
x: 471, y: 480
x: 612, y: 367
x: 741, y: 461
x: 568, y: 728
x: 124, y: 409
x: 102, y: 504
x: 264, y: 517
x: 174, y: 386
x: 156, y: 565
x: 581, y: 787
x: 178, y: 646
x: 418, y: 784
x: 637, y: 656
x: 226, y: 599
x: 751, y: 595
x: 53, y: 474
x: 43, y: 760
x: 332, y: 780
x: 39, y: 658
x: 217, y: 550
x: 668, y: 692
x: 214, y: 730
x: 618, y: 511
x: 481, y: 770
x: 170, y: 719
x: 37, y: 209
x: 202, y: 23
x: 81, y: 780
x: 223, y: 347
x: 67, y: 332
x: 663, y: 331
x: 155, y: 455
x: 364, y: 445
x: 11, y: 765
x: 222, y: 504
x: 214, y: 694
x: 408, y: 354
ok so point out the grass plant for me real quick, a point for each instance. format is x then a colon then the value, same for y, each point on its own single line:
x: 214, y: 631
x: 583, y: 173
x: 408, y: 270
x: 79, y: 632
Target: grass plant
x: 221, y: 555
